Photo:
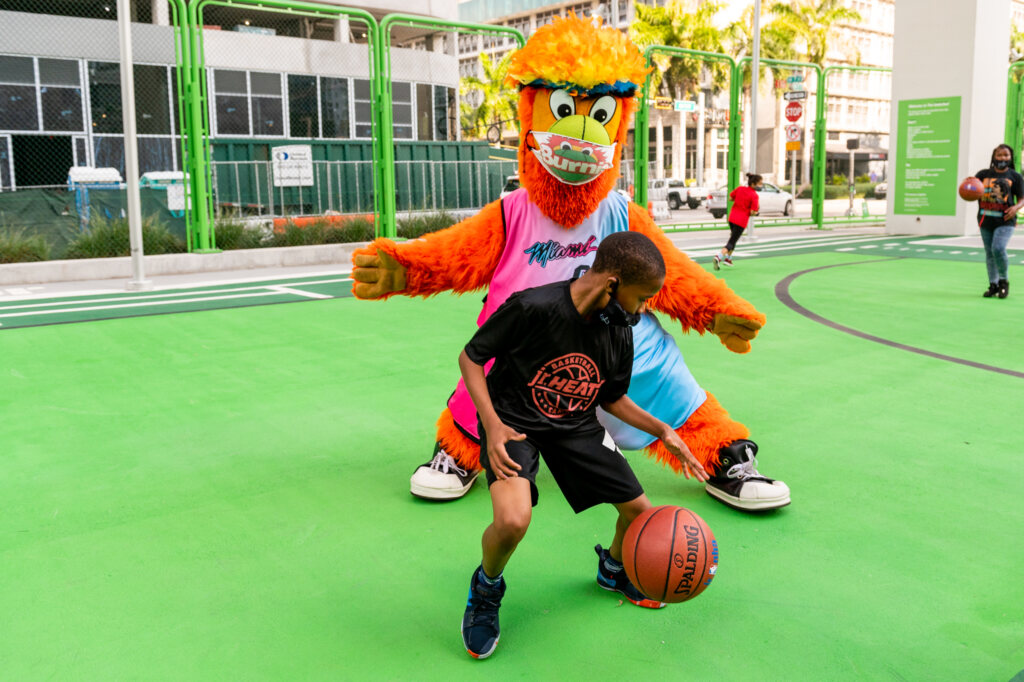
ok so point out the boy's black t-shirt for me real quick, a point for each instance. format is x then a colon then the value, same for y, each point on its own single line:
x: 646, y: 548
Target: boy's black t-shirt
x: 551, y: 367
x: 1002, y: 190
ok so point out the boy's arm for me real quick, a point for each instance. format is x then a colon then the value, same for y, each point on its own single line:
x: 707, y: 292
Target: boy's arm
x: 631, y: 413
x: 498, y: 433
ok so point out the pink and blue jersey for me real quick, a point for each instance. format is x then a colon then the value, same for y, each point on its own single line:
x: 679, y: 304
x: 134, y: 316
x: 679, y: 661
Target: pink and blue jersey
x: 539, y: 251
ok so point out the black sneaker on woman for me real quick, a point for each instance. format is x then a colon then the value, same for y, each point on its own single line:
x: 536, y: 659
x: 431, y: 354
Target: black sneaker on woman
x: 993, y: 289
x: 1004, y: 288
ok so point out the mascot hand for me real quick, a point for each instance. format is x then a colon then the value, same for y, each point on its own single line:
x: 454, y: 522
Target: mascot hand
x: 735, y: 332
x: 377, y: 275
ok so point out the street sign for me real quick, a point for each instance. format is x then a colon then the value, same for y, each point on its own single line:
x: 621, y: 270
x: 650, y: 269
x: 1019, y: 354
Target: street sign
x: 793, y: 111
x: 793, y: 133
x: 292, y: 165
x: 795, y: 79
x: 685, y: 105
x: 793, y: 146
x: 663, y: 103
x: 794, y: 95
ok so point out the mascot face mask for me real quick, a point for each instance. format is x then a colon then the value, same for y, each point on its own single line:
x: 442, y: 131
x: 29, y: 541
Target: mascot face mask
x: 572, y: 136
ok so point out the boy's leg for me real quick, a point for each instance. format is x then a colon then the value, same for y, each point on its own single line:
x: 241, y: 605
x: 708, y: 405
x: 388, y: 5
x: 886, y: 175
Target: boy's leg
x: 512, y: 506
x: 611, y: 574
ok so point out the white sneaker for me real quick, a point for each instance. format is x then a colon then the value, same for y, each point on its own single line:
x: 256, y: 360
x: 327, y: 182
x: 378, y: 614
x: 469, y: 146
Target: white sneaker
x: 441, y: 478
x: 716, y: 261
x: 737, y: 483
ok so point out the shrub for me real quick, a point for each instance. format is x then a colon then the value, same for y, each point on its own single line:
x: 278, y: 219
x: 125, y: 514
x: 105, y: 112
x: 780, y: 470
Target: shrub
x: 230, y: 236
x: 17, y: 247
x: 109, y: 239
x: 415, y: 226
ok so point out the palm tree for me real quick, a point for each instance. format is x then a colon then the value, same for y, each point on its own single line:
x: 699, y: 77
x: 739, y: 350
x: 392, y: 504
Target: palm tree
x: 486, y: 102
x: 681, y: 23
x: 813, y: 23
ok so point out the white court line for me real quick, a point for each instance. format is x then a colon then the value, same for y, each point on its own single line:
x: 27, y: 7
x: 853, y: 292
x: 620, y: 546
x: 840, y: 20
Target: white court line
x: 153, y: 297
x: 296, y: 292
x: 780, y: 247
x: 136, y: 305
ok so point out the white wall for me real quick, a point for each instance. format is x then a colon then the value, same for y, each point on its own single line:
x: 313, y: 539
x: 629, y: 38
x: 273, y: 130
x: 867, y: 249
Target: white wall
x: 962, y: 51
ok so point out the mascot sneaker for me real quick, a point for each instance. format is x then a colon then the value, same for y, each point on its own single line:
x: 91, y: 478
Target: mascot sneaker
x: 441, y: 478
x: 618, y: 581
x: 736, y: 482
x: 480, y: 629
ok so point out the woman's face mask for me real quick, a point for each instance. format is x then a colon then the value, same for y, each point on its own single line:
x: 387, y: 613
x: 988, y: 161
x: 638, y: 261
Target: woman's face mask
x: 1001, y: 164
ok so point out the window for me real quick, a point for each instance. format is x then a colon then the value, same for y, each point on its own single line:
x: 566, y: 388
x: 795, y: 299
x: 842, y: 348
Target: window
x: 303, y: 115
x: 152, y: 100
x: 401, y: 110
x: 361, y: 99
x: 424, y: 112
x: 444, y: 112
x: 267, y: 103
x: 231, y: 102
x: 60, y: 92
x: 105, y: 97
x: 334, y: 106
x: 18, y: 94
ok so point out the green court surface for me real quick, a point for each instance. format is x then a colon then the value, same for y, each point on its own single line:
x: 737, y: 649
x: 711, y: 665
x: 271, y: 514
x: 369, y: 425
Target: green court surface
x: 223, y: 495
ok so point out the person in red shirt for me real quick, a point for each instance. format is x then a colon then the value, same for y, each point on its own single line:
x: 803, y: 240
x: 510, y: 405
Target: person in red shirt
x: 744, y: 205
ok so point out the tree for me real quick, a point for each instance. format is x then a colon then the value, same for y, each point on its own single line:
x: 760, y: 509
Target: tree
x: 776, y: 40
x: 681, y: 23
x: 485, y: 100
x: 814, y: 23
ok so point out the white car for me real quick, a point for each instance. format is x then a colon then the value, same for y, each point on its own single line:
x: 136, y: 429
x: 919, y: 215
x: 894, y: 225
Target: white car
x: 770, y: 198
x: 511, y: 185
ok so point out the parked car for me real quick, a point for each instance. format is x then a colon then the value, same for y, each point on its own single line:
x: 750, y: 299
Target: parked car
x: 881, y: 189
x: 770, y: 198
x: 680, y: 194
x: 511, y: 185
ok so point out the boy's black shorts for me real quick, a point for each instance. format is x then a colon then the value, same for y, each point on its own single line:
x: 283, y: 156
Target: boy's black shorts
x: 588, y: 468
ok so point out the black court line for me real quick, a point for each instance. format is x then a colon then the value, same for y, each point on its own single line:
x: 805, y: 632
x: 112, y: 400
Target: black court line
x: 782, y: 293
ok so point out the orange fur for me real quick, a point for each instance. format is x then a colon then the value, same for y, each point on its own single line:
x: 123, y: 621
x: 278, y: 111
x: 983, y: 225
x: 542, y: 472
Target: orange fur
x: 691, y: 294
x: 465, y: 451
x: 705, y: 432
x: 459, y: 258
x: 567, y: 205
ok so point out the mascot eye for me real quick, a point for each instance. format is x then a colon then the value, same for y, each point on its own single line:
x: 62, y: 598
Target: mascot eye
x: 565, y: 147
x: 562, y: 104
x: 603, y: 109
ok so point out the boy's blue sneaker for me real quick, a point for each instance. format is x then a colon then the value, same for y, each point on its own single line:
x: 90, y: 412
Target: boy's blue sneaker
x: 480, y: 628
x: 618, y: 581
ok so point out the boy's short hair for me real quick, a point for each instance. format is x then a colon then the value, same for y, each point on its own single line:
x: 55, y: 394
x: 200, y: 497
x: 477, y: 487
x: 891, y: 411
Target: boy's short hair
x: 630, y: 255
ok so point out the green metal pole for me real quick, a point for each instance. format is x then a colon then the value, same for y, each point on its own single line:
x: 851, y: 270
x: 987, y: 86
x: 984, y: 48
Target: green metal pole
x: 179, y: 19
x: 641, y: 126
x: 198, y: 113
x: 1013, y: 133
x: 384, y: 152
x: 820, y: 127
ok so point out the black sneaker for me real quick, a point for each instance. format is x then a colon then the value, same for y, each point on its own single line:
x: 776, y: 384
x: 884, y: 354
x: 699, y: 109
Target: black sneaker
x: 619, y: 582
x: 1004, y: 288
x: 480, y: 629
x: 993, y: 289
x: 441, y: 478
x: 736, y: 482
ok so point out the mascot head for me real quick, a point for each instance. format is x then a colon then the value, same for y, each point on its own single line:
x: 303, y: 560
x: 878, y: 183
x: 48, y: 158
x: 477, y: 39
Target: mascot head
x: 577, y: 81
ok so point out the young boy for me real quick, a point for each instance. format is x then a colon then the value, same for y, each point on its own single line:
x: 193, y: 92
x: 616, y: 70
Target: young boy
x: 559, y: 351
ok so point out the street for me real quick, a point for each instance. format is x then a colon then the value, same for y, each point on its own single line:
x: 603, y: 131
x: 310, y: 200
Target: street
x: 802, y: 209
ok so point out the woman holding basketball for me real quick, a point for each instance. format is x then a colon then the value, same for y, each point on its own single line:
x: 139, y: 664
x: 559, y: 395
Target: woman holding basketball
x: 997, y: 216
x: 744, y: 204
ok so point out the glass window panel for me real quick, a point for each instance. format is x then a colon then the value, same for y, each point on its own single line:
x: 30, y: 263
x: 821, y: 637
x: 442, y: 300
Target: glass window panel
x: 401, y: 92
x: 105, y: 97
x: 62, y: 108
x: 267, y: 115
x: 265, y: 83
x: 58, y: 72
x: 229, y: 82
x: 444, y: 110
x: 402, y: 113
x: 403, y: 132
x: 424, y: 112
x: 362, y: 113
x: 361, y: 89
x: 81, y: 157
x: 155, y: 154
x: 302, y: 109
x: 18, y: 107
x: 17, y: 70
x: 363, y: 130
x: 152, y: 107
x: 5, y: 162
x: 109, y: 152
x: 334, y: 98
x: 232, y: 115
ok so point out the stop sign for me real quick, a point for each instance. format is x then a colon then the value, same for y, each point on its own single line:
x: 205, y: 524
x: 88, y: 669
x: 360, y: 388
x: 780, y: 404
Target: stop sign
x: 793, y: 111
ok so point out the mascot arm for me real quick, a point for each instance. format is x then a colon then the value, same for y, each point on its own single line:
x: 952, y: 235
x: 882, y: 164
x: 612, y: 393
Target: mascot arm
x: 696, y: 298
x: 460, y: 258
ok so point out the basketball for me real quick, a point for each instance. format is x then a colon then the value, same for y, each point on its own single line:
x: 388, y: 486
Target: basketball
x: 670, y: 554
x: 971, y: 189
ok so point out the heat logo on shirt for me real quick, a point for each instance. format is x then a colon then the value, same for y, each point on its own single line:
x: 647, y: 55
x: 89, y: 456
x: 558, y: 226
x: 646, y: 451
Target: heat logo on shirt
x: 566, y: 384
x: 542, y: 252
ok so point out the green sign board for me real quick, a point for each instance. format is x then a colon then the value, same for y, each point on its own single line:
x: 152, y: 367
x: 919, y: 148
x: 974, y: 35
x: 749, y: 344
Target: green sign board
x: 927, y: 156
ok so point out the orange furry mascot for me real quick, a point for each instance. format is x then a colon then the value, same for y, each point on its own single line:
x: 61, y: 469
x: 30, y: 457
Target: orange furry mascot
x: 577, y: 83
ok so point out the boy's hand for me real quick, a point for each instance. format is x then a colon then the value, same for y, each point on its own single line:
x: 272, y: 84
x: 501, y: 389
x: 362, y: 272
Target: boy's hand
x: 675, y: 445
x: 502, y: 465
